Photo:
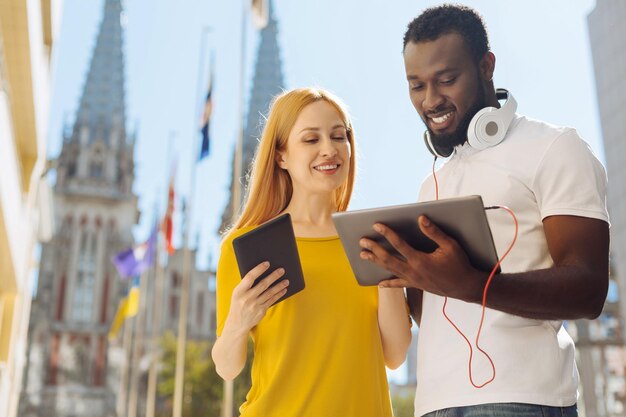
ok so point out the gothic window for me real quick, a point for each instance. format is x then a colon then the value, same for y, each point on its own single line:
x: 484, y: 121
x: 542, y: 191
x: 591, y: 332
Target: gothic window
x: 71, y: 169
x: 104, y: 302
x: 96, y: 166
x: 84, y: 286
x: 95, y: 170
x: 60, y: 299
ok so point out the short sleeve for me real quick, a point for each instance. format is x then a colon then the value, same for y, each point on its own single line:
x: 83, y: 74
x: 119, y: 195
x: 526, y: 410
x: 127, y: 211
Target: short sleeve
x: 570, y: 180
x: 227, y: 277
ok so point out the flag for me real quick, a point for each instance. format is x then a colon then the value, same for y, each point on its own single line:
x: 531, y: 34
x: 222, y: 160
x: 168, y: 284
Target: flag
x: 260, y: 13
x: 127, y: 308
x: 133, y: 261
x: 132, y: 306
x: 167, y: 225
x: 204, y: 122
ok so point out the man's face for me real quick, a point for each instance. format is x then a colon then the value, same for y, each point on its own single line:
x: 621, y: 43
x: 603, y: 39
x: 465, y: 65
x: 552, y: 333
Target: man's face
x: 446, y: 87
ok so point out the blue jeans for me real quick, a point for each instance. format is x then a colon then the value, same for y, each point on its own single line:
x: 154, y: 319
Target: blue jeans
x: 506, y: 410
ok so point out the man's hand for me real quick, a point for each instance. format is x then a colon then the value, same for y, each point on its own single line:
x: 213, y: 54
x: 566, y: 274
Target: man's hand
x: 446, y: 271
x: 574, y: 287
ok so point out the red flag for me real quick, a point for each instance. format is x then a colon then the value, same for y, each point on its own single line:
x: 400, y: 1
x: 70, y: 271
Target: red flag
x: 167, y: 225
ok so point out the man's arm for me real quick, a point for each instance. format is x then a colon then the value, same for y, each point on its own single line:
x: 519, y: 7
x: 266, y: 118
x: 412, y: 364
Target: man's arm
x: 575, y: 287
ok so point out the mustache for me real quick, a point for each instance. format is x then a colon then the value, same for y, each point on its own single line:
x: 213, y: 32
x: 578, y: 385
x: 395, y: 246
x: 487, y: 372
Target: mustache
x: 439, y: 110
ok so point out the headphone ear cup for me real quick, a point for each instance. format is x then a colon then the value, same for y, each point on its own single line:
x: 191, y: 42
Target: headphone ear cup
x: 429, y: 144
x: 486, y: 129
x: 432, y: 148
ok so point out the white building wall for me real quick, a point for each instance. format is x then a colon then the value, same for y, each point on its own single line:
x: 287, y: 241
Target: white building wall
x: 607, y: 34
x: 20, y: 202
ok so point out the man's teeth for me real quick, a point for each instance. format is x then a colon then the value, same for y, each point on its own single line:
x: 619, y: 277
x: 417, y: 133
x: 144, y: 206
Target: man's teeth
x: 326, y: 167
x: 441, y: 119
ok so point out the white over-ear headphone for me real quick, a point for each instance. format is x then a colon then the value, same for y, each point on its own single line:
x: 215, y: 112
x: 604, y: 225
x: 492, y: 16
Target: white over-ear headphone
x: 487, y: 128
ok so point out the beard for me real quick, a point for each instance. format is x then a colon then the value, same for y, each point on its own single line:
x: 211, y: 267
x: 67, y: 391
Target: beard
x: 445, y: 143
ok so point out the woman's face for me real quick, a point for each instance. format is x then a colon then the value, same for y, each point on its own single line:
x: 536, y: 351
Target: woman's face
x: 317, y: 155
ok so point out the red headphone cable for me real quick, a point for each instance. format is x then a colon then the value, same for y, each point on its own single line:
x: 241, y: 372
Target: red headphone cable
x: 484, y: 299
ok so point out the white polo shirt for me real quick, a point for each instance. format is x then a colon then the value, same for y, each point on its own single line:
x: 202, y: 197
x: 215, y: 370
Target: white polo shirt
x: 539, y: 170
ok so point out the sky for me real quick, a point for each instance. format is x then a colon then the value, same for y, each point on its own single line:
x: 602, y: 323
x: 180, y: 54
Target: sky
x: 351, y: 47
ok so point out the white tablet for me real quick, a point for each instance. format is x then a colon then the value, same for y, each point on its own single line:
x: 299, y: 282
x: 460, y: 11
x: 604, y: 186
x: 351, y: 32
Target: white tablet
x: 463, y: 218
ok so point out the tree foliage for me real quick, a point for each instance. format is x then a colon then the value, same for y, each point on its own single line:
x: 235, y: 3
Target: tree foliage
x: 203, y: 387
x: 402, y: 405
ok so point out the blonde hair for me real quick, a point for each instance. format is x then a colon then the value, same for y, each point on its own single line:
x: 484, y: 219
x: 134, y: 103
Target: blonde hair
x: 269, y: 187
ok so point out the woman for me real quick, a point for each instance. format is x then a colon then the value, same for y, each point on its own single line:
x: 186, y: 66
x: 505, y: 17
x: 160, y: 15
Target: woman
x: 323, y: 351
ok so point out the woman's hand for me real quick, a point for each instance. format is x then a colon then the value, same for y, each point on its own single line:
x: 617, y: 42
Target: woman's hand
x: 248, y: 306
x: 250, y: 303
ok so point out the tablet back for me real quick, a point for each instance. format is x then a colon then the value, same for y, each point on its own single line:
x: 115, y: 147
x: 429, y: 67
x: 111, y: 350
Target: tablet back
x: 462, y: 218
x: 275, y: 242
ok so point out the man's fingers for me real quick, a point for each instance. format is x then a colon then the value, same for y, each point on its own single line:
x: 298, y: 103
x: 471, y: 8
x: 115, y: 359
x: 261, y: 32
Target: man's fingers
x: 395, y: 240
x: 434, y: 233
x: 393, y: 283
x: 376, y: 253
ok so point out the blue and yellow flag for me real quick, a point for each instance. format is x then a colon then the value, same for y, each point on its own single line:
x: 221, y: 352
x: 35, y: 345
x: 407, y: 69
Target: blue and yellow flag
x: 128, y: 307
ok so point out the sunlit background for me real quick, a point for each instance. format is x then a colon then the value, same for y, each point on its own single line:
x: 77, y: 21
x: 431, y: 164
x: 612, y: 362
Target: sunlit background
x: 544, y: 56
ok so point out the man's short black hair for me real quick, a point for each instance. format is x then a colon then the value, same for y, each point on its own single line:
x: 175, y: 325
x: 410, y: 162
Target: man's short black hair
x: 449, y: 18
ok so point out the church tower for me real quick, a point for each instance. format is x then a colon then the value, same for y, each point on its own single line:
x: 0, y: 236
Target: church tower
x: 71, y: 368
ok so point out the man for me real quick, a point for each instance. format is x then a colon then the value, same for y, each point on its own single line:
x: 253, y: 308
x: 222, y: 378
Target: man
x: 557, y: 269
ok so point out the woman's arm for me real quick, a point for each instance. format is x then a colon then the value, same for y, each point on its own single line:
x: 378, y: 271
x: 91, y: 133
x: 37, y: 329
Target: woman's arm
x: 247, y: 308
x: 394, y: 324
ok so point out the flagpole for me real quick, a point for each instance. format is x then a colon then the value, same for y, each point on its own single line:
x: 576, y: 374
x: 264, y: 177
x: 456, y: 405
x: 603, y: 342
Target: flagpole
x: 156, y: 317
x: 156, y: 329
x: 137, y: 346
x: 181, y: 343
x: 121, y: 396
x: 229, y: 387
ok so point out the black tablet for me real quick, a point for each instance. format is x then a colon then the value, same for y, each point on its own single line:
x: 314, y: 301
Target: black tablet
x: 275, y: 242
x: 463, y: 218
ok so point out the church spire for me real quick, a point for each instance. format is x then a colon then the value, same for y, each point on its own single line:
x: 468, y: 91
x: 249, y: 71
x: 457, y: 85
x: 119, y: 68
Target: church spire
x: 267, y: 82
x: 97, y: 153
x: 102, y: 111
